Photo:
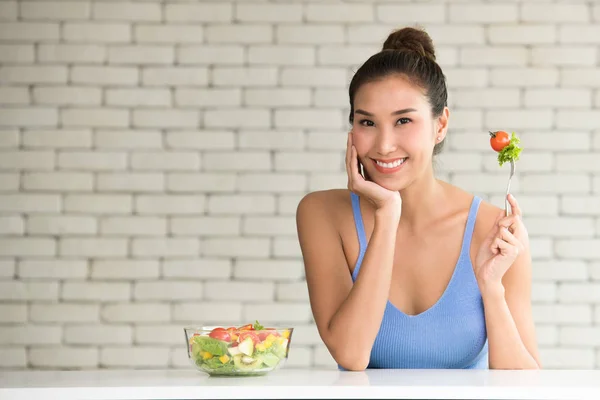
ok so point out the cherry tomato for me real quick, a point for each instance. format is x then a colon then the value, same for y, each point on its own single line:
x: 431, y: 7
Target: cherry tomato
x: 248, y: 334
x: 247, y: 327
x: 220, y: 334
x: 499, y: 140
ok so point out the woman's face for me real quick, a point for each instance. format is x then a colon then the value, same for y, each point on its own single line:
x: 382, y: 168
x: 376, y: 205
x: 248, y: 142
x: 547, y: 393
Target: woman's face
x: 394, y: 132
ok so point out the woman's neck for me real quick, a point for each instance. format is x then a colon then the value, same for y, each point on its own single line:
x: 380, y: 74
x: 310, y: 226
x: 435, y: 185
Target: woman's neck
x: 423, y: 202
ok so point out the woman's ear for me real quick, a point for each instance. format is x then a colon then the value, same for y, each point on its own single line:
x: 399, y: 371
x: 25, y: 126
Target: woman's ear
x: 442, y: 125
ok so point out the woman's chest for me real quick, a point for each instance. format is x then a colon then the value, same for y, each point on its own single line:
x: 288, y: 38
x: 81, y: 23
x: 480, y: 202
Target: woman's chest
x: 422, y: 272
x: 423, y: 264
x: 450, y: 336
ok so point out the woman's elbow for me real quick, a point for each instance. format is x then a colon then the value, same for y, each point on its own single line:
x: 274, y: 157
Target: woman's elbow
x: 352, y: 362
x: 356, y: 367
x: 353, y: 356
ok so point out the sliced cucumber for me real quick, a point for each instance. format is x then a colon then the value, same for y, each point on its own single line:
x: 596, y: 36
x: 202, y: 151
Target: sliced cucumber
x: 269, y: 359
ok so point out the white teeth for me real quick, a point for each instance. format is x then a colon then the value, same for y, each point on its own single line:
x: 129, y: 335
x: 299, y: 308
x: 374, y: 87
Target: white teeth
x: 390, y: 165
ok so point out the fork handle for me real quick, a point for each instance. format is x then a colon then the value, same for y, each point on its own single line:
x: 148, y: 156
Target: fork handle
x: 512, y: 169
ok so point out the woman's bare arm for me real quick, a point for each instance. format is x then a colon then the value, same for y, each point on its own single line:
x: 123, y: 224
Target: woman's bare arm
x: 348, y: 316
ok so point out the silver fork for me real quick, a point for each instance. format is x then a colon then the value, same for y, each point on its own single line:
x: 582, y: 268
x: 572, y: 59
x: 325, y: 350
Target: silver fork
x: 512, y: 172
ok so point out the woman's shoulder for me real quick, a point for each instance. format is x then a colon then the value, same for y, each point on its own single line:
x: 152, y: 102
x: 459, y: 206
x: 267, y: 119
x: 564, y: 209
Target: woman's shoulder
x: 486, y: 212
x: 329, y: 195
x: 320, y: 216
x: 485, y: 219
x: 324, y: 202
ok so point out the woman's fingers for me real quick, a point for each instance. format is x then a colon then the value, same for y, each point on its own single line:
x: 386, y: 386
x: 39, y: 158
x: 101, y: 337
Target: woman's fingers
x: 358, y: 171
x: 506, y: 243
x: 349, y: 153
x: 498, y: 245
x: 503, y: 247
x: 512, y: 222
x: 514, y: 205
x: 377, y: 194
x: 352, y: 168
x: 356, y: 176
x: 348, y: 144
x: 510, y: 239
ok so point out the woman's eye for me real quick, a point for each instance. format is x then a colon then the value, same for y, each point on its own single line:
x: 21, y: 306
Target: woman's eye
x: 366, y: 122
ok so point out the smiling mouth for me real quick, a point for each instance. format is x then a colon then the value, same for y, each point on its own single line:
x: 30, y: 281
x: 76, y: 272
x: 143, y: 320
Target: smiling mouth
x: 390, y: 164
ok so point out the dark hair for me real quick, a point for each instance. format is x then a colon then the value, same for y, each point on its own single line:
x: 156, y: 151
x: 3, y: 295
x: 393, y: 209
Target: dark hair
x: 408, y: 51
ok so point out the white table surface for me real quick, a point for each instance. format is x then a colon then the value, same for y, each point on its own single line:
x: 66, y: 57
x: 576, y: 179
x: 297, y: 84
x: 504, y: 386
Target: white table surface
x: 291, y: 383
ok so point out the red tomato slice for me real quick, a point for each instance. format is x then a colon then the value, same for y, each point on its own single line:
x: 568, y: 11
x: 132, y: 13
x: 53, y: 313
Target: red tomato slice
x: 233, y: 332
x: 247, y: 327
x: 252, y: 335
x: 263, y: 334
x: 220, y: 334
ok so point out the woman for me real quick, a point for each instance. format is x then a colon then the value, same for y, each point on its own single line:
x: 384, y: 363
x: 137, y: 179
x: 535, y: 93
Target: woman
x: 405, y: 270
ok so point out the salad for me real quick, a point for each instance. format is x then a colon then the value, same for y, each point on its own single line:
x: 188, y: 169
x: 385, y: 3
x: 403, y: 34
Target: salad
x: 251, y: 349
x: 507, y: 147
x: 508, y: 151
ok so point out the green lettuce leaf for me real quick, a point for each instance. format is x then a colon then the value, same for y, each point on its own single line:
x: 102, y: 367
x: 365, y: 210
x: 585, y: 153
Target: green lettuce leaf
x: 214, y: 365
x: 225, y: 368
x: 213, y: 346
x: 258, y: 327
x: 196, y: 349
x: 510, y: 152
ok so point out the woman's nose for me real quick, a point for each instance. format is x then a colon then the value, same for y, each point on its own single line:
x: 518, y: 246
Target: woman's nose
x: 385, y: 143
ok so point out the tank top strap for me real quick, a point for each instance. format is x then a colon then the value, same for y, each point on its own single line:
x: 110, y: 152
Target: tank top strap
x: 360, y: 230
x: 362, y: 237
x: 468, y: 236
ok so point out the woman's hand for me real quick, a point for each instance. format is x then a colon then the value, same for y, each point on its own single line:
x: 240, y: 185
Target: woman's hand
x: 382, y: 198
x: 507, y: 239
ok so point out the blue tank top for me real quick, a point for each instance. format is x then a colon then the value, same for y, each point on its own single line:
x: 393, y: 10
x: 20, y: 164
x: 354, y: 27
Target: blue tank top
x: 450, y: 334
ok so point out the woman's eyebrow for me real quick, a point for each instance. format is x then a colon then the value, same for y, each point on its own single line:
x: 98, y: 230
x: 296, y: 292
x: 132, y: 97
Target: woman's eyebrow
x: 368, y: 114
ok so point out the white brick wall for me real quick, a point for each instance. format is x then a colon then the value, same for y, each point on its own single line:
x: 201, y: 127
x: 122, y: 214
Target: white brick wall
x: 153, y: 153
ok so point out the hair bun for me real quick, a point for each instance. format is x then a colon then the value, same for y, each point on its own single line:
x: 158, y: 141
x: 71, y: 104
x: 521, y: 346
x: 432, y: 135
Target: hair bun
x: 411, y: 39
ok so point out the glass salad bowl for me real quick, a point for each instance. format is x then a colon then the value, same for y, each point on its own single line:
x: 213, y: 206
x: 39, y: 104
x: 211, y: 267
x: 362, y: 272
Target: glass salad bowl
x: 238, y: 351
